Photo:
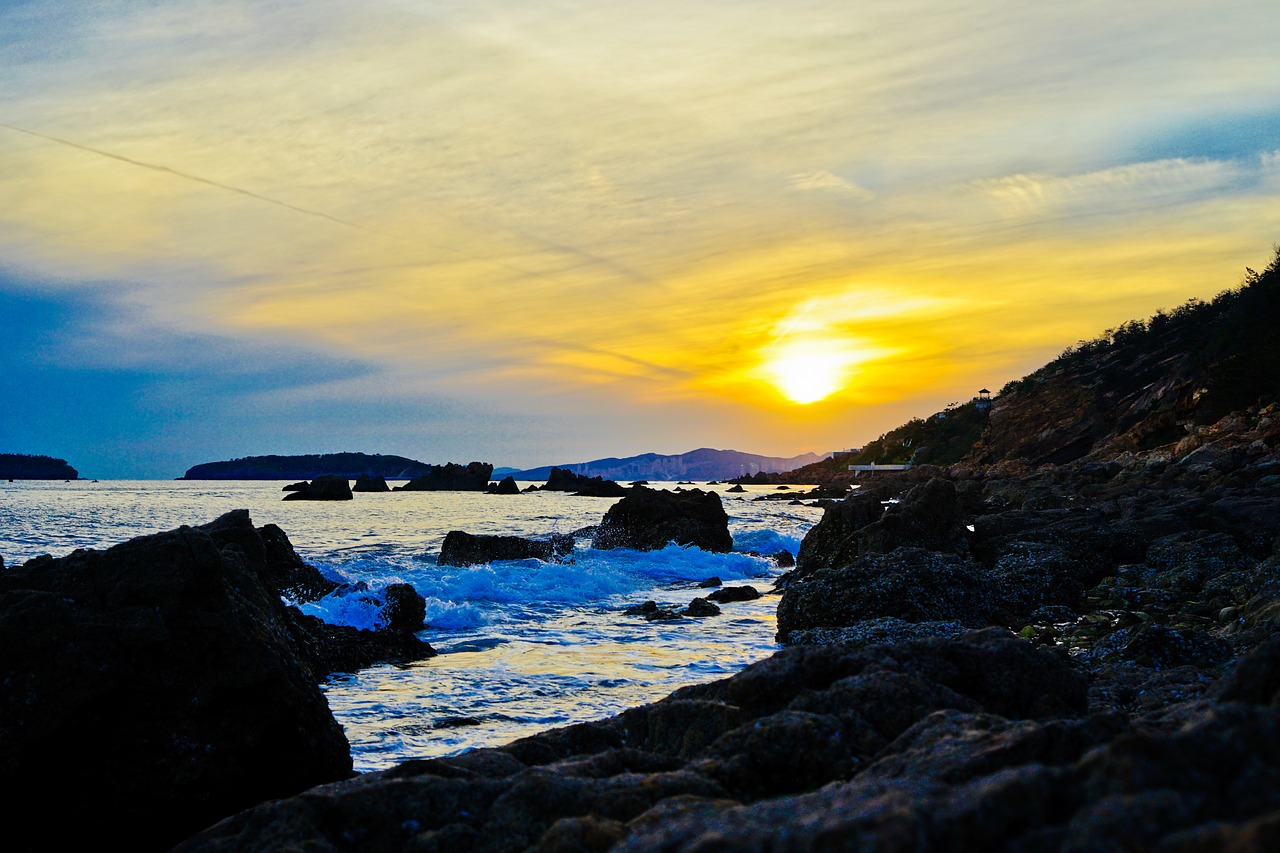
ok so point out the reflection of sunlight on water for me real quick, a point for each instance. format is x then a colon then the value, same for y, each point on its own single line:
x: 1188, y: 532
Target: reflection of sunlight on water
x: 578, y: 667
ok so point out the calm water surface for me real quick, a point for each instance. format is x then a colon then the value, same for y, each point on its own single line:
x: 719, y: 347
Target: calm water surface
x: 524, y: 645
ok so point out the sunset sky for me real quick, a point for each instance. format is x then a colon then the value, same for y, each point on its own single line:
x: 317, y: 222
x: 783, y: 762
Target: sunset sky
x: 539, y: 232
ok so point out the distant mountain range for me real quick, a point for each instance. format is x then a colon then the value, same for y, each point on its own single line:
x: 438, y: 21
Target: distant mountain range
x: 701, y: 464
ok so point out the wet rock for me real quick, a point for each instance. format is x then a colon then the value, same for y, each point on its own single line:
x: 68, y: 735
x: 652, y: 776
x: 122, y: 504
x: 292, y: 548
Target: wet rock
x: 647, y: 520
x: 736, y: 489
x: 834, y: 540
x: 327, y: 488
x: 875, y: 632
x: 371, y: 483
x: 735, y: 593
x: 157, y: 687
x: 700, y: 607
x: 295, y: 487
x: 710, y: 582
x: 465, y: 549
x: 404, y: 608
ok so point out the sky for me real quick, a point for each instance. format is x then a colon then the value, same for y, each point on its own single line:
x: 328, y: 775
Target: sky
x: 549, y: 231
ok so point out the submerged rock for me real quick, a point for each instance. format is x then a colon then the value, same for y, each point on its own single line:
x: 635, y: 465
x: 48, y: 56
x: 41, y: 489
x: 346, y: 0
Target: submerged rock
x: 647, y: 520
x: 735, y: 593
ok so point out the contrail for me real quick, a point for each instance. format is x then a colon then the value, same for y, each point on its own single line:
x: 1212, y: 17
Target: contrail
x: 190, y: 177
x: 591, y: 259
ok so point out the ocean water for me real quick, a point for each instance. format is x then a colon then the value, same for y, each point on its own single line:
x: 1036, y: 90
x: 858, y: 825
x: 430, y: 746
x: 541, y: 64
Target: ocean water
x: 524, y: 645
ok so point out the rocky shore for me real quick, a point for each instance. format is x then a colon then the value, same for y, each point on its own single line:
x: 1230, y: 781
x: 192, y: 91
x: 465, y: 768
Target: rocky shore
x: 1079, y: 657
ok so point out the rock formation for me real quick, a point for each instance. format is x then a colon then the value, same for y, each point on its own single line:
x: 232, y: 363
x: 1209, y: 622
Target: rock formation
x: 647, y: 520
x: 474, y: 477
x: 371, y: 483
x: 322, y: 489
x: 465, y: 549
x: 155, y: 687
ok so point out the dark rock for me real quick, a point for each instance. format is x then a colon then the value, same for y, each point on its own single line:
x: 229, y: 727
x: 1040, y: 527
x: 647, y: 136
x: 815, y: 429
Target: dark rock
x: 465, y: 549
x: 834, y: 541
x: 734, y: 593
x: 156, y: 687
x: 784, y: 559
x: 647, y: 520
x: 710, y: 582
x: 451, y: 477
x: 323, y: 489
x: 296, y: 487
x: 737, y: 489
x: 370, y: 483
x: 404, y: 608
x: 701, y: 607
x: 643, y: 609
x: 1162, y: 647
x: 506, y: 487
x: 600, y: 488
x: 909, y: 584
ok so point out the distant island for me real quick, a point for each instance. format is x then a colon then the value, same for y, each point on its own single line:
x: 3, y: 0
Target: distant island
x: 701, y: 464
x: 19, y: 466
x: 310, y: 466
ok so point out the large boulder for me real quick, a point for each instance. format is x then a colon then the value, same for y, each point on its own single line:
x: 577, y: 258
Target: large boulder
x: 451, y: 477
x: 647, y: 520
x: 152, y: 689
x: 466, y: 549
x: 325, y: 488
x: 564, y: 480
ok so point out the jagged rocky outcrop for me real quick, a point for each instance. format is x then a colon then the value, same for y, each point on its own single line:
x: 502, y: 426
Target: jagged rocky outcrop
x: 564, y: 480
x: 466, y: 549
x: 20, y: 466
x: 451, y: 477
x: 157, y: 686
x: 349, y: 466
x: 321, y: 489
x: 151, y: 689
x: 648, y: 519
x: 507, y: 486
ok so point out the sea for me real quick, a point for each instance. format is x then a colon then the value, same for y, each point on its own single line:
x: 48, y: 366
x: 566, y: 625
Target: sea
x: 524, y: 645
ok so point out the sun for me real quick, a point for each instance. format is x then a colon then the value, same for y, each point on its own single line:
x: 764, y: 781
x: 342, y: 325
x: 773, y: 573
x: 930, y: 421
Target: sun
x: 808, y: 372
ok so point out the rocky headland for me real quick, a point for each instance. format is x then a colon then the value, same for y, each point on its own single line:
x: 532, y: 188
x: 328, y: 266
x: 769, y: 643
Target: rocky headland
x: 21, y: 466
x: 349, y: 466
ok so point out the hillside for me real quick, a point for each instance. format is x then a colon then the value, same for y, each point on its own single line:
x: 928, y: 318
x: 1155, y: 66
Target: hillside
x: 19, y: 466
x: 310, y: 466
x: 1145, y: 384
x: 701, y: 464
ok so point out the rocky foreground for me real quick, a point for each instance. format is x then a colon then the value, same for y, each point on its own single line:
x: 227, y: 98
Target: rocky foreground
x: 1065, y: 658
